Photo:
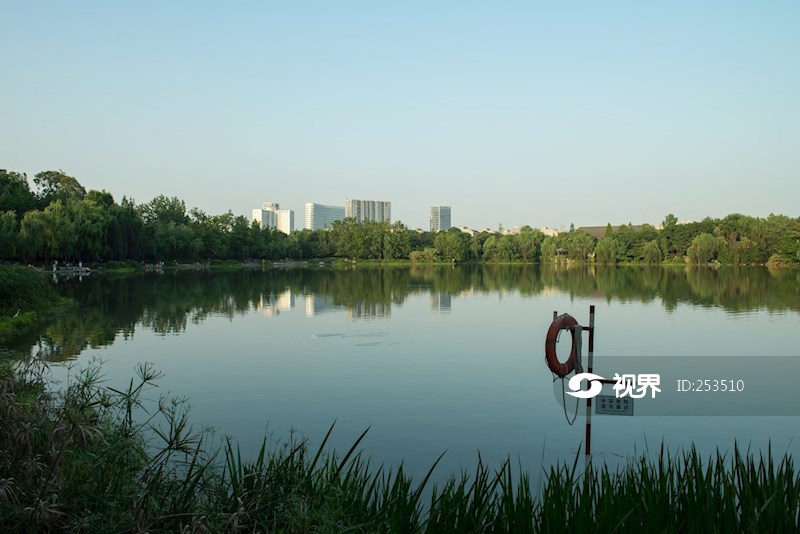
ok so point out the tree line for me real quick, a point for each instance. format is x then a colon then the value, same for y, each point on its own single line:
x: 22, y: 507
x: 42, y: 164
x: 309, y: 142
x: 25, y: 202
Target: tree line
x: 60, y: 220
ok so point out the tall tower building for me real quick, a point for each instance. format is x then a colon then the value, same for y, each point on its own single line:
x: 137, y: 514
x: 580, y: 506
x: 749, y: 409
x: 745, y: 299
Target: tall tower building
x: 319, y: 216
x: 368, y: 210
x: 271, y: 216
x: 265, y: 218
x: 440, y: 218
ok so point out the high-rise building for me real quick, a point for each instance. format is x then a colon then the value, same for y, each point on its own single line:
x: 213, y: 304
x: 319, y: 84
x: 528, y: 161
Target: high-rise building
x: 368, y: 210
x: 265, y: 218
x: 271, y: 216
x: 286, y: 221
x: 319, y: 216
x: 440, y: 218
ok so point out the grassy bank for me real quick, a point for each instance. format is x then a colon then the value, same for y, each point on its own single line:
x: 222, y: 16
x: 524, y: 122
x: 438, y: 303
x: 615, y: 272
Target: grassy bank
x: 81, y: 460
x: 25, y: 298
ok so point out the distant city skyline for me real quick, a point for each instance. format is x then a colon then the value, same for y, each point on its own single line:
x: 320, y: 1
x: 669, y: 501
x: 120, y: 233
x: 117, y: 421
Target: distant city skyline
x: 513, y: 113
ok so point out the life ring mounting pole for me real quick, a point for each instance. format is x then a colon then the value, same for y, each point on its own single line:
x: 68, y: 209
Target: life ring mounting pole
x: 588, y: 458
x: 566, y: 321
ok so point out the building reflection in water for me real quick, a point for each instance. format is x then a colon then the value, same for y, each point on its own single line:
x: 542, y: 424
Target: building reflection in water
x: 272, y: 305
x: 316, y: 304
x: 440, y: 302
x: 369, y: 310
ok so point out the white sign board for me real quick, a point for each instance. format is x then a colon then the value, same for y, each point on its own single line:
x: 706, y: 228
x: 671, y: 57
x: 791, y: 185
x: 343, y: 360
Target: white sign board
x: 611, y: 405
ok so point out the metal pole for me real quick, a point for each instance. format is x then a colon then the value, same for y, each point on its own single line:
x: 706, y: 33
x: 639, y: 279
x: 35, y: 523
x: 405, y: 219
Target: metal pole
x: 589, y: 400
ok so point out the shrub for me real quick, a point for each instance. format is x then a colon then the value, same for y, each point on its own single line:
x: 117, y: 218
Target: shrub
x: 24, y: 289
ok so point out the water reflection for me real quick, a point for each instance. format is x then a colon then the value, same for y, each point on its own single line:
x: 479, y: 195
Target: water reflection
x: 271, y: 305
x: 441, y: 302
x: 167, y: 303
x: 317, y: 304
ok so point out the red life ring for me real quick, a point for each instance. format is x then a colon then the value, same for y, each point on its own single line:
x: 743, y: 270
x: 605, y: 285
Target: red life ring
x: 562, y: 322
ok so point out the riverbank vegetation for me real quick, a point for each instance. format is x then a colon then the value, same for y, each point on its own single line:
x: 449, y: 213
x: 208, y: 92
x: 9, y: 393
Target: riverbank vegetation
x: 60, y: 220
x: 25, y: 296
x: 89, y: 457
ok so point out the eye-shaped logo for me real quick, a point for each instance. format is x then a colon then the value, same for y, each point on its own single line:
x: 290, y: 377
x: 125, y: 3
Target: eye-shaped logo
x: 594, y: 388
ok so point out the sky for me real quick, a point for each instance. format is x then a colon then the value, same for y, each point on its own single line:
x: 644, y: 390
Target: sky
x: 510, y: 112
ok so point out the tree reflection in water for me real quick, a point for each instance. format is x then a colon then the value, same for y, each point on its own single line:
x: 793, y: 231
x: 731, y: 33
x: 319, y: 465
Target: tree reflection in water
x: 166, y: 303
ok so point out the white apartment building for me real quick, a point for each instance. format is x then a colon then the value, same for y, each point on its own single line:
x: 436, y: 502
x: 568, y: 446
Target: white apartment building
x: 271, y: 216
x: 319, y: 216
x: 368, y: 210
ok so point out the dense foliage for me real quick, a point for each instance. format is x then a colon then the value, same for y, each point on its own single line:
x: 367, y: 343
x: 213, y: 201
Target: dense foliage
x: 24, y: 296
x: 62, y: 221
x: 23, y: 289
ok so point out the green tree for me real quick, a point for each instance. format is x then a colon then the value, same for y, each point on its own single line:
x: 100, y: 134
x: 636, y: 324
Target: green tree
x: 373, y: 233
x: 9, y: 235
x: 33, y: 228
x: 242, y: 237
x: 678, y: 237
x: 426, y: 255
x: 491, y: 248
x: 163, y: 210
x: 579, y: 245
x: 397, y: 242
x: 349, y: 239
x: 101, y: 198
x: 91, y: 222
x: 213, y: 233
x: 15, y: 194
x: 422, y: 240
x: 606, y: 250
x: 704, y: 248
x: 308, y: 242
x: 125, y: 231
x: 652, y: 252
x: 507, y: 248
x: 50, y: 233
x: 549, y: 246
x: 528, y: 243
x: 58, y: 185
x: 669, y: 221
x: 626, y: 239
x: 451, y: 245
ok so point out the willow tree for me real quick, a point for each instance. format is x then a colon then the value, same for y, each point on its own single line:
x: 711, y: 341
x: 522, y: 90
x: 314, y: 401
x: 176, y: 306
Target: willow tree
x: 652, y: 252
x: 606, y: 250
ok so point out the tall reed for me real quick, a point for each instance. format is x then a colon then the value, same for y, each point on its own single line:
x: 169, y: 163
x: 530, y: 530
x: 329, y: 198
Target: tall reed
x: 92, y: 458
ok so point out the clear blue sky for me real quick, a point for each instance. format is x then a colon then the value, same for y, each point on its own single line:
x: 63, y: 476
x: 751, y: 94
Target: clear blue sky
x: 510, y: 112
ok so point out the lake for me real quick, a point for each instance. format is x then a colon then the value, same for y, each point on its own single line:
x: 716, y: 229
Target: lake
x: 436, y: 359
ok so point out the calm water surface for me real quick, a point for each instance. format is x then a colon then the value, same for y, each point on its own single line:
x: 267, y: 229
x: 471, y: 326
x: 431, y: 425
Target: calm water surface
x: 431, y: 359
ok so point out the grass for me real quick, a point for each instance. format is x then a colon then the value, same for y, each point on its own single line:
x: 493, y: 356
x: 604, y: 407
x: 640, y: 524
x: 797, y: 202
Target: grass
x: 25, y: 297
x: 225, y: 264
x: 121, y: 267
x: 14, y: 327
x: 92, y: 458
x: 24, y: 289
